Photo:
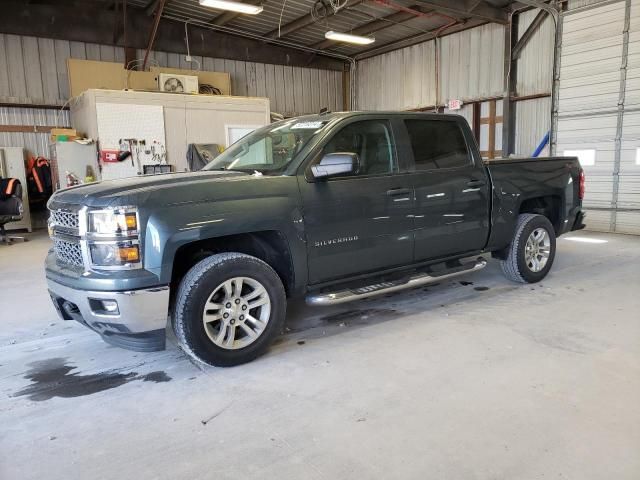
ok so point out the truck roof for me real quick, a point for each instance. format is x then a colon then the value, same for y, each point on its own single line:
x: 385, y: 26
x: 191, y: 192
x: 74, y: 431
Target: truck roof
x: 335, y: 115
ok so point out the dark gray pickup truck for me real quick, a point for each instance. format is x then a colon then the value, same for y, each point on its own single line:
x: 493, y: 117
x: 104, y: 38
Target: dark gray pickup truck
x: 332, y: 207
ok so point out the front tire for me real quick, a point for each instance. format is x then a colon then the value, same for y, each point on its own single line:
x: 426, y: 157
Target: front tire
x: 229, y: 308
x: 532, y: 250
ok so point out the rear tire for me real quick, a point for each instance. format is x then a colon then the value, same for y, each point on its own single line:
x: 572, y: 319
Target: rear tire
x: 229, y: 308
x: 532, y: 250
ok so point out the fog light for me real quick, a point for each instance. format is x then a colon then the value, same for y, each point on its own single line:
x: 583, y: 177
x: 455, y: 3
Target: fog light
x: 110, y: 306
x: 104, y: 307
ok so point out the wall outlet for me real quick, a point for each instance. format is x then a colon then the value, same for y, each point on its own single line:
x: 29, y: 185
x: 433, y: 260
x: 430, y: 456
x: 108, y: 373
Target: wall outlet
x: 188, y: 58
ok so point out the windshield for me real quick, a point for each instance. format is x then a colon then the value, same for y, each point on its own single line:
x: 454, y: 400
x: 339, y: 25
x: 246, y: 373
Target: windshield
x: 268, y: 150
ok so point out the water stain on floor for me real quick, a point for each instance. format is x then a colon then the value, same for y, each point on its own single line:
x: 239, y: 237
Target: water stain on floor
x: 54, y: 378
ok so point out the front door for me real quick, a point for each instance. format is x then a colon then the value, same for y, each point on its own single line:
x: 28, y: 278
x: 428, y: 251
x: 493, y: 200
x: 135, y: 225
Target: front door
x: 452, y: 190
x: 360, y: 222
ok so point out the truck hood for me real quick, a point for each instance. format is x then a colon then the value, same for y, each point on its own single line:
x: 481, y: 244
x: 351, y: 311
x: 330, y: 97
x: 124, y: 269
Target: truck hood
x: 162, y: 189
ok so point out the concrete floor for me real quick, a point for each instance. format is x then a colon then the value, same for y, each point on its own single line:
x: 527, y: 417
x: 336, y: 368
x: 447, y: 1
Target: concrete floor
x: 473, y: 379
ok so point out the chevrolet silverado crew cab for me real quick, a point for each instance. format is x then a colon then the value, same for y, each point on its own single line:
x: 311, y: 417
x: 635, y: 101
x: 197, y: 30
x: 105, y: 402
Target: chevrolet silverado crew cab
x: 332, y: 207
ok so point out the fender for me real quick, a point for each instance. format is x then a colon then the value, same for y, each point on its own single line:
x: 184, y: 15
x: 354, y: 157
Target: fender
x: 176, y: 225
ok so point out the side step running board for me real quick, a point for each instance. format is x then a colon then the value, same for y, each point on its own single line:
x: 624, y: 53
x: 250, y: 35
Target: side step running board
x: 350, y: 294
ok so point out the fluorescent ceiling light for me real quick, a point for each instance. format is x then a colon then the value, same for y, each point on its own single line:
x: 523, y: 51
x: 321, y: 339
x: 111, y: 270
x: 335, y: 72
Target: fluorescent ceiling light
x: 233, y: 6
x: 348, y: 38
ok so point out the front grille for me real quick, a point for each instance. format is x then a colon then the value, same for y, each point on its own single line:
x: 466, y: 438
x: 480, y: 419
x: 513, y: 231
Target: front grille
x: 65, y: 219
x: 68, y: 252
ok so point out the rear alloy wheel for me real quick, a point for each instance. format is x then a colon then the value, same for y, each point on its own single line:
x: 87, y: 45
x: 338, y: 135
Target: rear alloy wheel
x: 532, y: 250
x: 537, y: 250
x: 229, y: 308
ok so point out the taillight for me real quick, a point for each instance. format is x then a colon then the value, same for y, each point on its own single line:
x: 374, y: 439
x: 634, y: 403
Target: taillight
x: 581, y: 189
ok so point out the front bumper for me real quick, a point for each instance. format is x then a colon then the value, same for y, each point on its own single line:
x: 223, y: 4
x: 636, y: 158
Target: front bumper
x: 139, y: 323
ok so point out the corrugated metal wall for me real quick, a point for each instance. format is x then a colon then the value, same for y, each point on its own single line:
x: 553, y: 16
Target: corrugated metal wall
x: 471, y: 67
x: 34, y: 71
x: 533, y: 120
x: 399, y: 80
x: 535, y: 65
x: 534, y: 77
x: 472, y: 63
x: 291, y: 90
x: 35, y: 143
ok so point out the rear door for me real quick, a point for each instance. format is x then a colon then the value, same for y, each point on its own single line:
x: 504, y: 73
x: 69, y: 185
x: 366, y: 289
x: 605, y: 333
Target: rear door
x: 451, y: 187
x: 360, y: 222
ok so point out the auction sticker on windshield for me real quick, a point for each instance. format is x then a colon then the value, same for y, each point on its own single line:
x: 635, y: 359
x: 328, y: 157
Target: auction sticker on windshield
x: 308, y: 125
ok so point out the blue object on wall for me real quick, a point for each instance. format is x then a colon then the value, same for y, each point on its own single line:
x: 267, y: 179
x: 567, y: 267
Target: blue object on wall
x: 543, y: 143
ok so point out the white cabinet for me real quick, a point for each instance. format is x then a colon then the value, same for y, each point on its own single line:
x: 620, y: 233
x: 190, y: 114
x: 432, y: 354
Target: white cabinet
x: 186, y: 119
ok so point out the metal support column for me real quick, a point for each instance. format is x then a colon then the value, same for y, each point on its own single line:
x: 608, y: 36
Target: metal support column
x: 510, y: 85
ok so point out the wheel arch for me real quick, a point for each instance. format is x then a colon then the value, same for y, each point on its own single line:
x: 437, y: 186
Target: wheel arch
x: 548, y: 205
x: 270, y: 246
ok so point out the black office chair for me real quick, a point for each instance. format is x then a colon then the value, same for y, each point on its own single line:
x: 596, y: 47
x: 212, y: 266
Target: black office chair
x: 10, y: 207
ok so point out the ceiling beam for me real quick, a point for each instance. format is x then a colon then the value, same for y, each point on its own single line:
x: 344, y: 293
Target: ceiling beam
x: 153, y: 32
x: 374, y: 26
x: 79, y: 24
x: 151, y: 7
x: 304, y: 21
x: 468, y: 9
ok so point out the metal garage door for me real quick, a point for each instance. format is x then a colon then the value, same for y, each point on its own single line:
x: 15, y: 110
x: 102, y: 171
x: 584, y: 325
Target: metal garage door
x: 598, y: 115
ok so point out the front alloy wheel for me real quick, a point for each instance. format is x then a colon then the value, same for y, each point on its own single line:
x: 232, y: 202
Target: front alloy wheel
x: 229, y: 308
x: 236, y: 313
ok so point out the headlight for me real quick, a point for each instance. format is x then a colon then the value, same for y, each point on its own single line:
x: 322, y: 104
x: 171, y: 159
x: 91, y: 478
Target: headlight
x: 114, y: 254
x: 113, y: 222
x: 112, y: 239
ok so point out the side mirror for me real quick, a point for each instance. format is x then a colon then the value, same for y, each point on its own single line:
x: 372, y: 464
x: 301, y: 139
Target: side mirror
x: 333, y: 164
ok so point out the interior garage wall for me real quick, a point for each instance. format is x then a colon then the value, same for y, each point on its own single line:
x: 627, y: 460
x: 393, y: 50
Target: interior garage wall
x: 33, y: 71
x: 399, y: 80
x: 470, y: 67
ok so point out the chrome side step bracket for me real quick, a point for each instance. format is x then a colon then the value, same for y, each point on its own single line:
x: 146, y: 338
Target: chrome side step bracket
x: 417, y: 280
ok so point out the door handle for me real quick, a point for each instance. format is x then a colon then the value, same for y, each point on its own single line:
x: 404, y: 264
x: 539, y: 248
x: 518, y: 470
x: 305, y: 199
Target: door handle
x: 398, y: 191
x: 476, y: 183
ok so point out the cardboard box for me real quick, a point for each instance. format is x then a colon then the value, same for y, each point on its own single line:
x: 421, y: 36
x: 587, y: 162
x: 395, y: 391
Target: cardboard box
x: 71, y: 133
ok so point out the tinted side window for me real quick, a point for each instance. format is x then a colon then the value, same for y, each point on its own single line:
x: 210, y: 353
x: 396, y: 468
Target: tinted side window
x: 371, y: 140
x: 437, y: 144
